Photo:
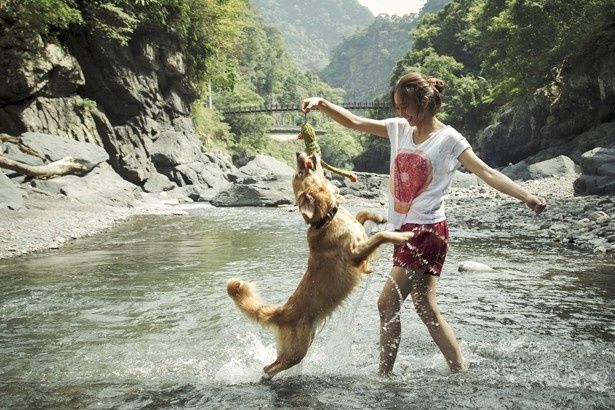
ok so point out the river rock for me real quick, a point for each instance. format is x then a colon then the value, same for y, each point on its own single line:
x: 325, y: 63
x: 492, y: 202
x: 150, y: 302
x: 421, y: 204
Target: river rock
x: 264, y: 165
x: 369, y: 185
x: 274, y: 191
x: 560, y: 166
x: 554, y: 118
x: 201, y: 174
x: 100, y: 186
x: 517, y: 171
x: 554, y: 167
x: 158, y: 183
x: 12, y: 151
x: 466, y: 180
x: 598, y: 167
x: 10, y: 195
x: 472, y: 266
x: 54, y: 148
x: 171, y: 148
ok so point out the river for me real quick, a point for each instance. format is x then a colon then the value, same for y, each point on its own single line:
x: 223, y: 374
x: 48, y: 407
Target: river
x: 138, y: 317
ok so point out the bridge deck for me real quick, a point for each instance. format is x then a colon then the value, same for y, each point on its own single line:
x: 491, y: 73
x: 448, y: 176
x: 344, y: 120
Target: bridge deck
x: 361, y: 106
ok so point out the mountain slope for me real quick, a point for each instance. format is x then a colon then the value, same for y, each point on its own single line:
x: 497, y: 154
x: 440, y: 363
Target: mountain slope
x: 311, y: 29
x: 362, y: 64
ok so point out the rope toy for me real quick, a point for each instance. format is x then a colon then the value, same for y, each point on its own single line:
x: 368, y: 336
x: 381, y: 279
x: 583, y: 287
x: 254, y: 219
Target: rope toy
x: 311, y: 146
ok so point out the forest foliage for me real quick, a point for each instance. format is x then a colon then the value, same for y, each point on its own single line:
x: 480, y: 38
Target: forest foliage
x: 362, y: 63
x: 311, y: 29
x: 493, y: 53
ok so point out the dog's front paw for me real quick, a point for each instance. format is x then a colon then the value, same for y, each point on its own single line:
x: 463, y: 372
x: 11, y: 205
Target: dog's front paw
x: 402, y: 237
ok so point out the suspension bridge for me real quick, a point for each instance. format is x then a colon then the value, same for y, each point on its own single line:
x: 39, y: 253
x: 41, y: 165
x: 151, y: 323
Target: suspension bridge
x: 287, y: 117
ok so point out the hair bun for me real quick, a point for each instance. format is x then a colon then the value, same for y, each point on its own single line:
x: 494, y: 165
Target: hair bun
x: 436, y: 83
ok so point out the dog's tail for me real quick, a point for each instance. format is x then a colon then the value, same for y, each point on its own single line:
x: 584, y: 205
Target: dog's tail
x: 245, y: 299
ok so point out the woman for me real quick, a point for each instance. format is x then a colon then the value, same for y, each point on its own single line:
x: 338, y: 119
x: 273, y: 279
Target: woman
x: 424, y: 156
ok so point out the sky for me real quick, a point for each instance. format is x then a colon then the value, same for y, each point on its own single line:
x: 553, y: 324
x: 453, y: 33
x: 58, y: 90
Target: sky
x: 393, y: 6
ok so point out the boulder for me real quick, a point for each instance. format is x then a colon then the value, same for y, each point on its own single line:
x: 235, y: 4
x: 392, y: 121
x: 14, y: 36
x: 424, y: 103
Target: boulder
x: 200, y: 173
x: 196, y: 193
x: 273, y: 191
x: 598, y: 168
x: 368, y: 185
x: 517, y: 171
x: 10, y: 195
x: 558, y: 166
x: 465, y: 180
x: 172, y: 148
x: 554, y: 167
x: 11, y: 151
x: 158, y: 183
x: 264, y: 165
x: 101, y: 186
x: 54, y: 148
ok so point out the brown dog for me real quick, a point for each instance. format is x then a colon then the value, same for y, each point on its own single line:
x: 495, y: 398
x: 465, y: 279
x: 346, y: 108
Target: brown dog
x: 339, y: 254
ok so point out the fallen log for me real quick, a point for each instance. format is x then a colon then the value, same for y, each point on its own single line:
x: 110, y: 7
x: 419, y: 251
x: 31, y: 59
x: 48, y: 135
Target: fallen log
x: 67, y: 165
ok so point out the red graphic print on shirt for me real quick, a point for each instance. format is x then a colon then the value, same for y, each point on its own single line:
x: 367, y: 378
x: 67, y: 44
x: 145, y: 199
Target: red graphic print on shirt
x: 411, y: 175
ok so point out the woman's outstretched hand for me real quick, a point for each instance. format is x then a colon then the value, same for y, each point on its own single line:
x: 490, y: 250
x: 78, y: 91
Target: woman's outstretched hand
x: 309, y: 103
x: 536, y: 203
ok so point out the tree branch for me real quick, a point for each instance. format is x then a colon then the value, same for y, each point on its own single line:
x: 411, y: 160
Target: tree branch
x: 63, y: 166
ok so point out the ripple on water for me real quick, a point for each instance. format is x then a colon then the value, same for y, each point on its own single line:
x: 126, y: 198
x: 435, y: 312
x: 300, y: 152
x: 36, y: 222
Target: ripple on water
x: 139, y: 317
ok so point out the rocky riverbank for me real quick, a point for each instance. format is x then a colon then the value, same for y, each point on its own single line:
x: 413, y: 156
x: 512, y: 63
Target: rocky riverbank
x: 47, y: 221
x: 586, y: 222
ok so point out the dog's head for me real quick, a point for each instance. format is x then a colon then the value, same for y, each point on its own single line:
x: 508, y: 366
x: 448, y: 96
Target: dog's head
x: 314, y: 194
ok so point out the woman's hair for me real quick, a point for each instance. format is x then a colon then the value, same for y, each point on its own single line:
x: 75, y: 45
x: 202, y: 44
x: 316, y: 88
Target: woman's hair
x: 412, y: 87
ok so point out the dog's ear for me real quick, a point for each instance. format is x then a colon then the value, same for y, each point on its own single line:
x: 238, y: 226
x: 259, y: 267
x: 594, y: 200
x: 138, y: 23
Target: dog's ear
x: 315, y: 159
x: 307, y: 206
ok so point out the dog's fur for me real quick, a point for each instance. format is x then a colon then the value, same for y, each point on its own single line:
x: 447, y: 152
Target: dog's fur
x: 339, y: 254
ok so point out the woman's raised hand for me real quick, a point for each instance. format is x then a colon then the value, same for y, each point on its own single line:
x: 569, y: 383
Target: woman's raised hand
x: 309, y: 103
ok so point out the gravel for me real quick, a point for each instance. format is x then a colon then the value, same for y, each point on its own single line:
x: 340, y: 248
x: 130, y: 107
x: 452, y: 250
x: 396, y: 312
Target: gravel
x: 588, y: 222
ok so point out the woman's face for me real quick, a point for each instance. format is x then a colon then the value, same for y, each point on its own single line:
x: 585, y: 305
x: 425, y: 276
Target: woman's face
x: 409, y: 112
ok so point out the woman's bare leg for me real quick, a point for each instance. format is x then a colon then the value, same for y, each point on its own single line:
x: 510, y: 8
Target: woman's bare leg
x: 394, y: 292
x: 423, y: 292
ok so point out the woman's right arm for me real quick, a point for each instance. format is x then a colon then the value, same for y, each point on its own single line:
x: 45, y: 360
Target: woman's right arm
x: 345, y: 117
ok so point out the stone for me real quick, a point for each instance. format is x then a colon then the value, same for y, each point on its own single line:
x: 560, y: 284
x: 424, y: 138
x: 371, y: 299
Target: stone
x: 558, y: 166
x: 273, y: 192
x: 101, y: 186
x: 596, y: 215
x: 158, y: 183
x: 263, y: 165
x: 598, y: 167
x: 10, y: 194
x: 472, y: 266
x: 465, y: 180
x: 54, y: 148
x: 172, y: 148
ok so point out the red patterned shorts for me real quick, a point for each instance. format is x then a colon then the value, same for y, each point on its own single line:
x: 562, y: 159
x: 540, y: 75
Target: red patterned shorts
x: 425, y: 250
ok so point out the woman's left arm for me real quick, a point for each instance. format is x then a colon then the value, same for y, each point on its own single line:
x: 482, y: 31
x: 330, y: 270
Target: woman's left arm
x: 500, y: 181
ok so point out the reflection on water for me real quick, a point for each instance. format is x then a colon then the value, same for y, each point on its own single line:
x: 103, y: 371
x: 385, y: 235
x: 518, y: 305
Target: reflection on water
x: 139, y: 317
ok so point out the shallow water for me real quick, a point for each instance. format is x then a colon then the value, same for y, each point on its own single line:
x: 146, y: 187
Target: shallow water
x: 138, y: 317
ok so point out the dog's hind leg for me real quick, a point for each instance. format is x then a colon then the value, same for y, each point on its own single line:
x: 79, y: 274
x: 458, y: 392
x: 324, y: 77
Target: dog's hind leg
x: 293, y: 344
x: 364, y: 216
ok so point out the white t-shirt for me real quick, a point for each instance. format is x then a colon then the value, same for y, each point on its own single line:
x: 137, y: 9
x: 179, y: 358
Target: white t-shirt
x: 421, y: 174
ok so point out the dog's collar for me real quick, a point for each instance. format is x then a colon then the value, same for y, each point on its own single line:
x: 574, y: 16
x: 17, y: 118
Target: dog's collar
x: 328, y: 216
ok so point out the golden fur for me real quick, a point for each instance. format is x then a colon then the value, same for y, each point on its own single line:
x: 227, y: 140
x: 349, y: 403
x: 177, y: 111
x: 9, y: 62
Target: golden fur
x: 339, y: 252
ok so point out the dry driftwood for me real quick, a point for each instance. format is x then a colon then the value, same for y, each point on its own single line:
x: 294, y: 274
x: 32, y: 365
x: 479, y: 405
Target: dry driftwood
x: 63, y: 166
x: 22, y: 147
